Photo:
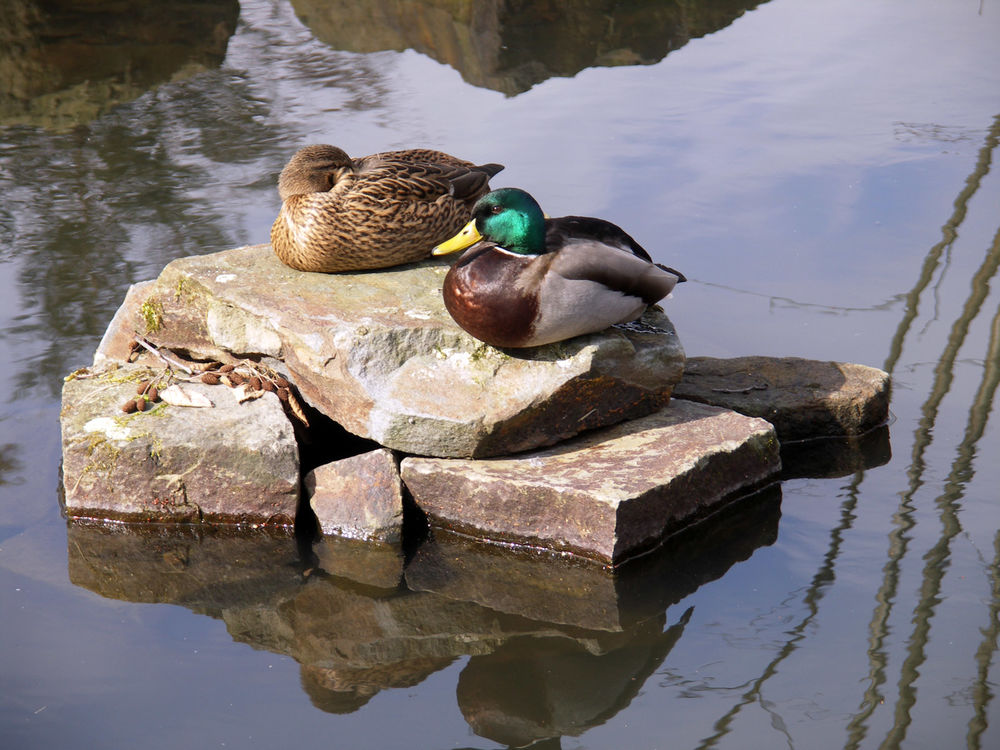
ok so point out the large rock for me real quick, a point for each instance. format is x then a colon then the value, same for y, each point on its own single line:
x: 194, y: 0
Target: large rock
x: 231, y: 463
x: 379, y: 354
x: 802, y: 398
x: 608, y: 494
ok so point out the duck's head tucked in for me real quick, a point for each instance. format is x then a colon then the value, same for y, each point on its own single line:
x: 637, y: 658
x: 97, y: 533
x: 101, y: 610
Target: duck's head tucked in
x: 313, y: 169
x: 343, y: 214
x: 530, y: 280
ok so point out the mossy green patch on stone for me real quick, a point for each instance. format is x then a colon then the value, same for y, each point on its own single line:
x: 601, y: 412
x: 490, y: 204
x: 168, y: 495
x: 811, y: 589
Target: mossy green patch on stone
x: 486, y: 351
x: 152, y: 314
x: 179, y: 289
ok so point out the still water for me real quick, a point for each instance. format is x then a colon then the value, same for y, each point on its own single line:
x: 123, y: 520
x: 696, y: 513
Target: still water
x: 824, y: 173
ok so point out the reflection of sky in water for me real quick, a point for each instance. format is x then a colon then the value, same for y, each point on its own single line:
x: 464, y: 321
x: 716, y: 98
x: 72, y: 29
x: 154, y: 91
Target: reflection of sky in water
x: 755, y: 160
x: 798, y: 165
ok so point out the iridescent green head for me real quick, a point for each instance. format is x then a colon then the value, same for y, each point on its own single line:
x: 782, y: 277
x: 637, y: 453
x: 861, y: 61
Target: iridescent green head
x: 510, y: 217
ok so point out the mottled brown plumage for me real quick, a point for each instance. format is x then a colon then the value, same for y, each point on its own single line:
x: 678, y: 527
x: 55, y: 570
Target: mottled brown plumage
x: 344, y: 214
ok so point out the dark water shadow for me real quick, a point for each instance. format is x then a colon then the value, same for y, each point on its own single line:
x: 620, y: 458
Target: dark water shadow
x: 832, y: 457
x: 510, y: 47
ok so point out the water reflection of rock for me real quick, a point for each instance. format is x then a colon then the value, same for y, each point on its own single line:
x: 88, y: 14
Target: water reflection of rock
x: 358, y: 624
x: 836, y: 456
x: 579, y: 595
x: 511, y: 46
x: 533, y: 689
x: 64, y: 62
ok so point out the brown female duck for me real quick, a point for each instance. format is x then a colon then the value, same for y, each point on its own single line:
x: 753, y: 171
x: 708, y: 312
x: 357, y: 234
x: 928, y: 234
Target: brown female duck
x: 344, y: 214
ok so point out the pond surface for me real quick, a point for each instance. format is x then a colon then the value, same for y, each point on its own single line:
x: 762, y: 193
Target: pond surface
x: 824, y: 173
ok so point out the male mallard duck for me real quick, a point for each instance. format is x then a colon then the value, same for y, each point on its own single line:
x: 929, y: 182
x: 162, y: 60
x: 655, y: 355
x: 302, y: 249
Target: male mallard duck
x: 531, y: 281
x: 344, y: 214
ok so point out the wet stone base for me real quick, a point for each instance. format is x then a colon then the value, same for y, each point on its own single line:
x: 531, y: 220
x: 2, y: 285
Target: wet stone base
x: 291, y: 403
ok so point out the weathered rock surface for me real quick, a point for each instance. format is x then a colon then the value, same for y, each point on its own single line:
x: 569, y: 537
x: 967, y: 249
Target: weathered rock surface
x: 232, y: 463
x: 379, y: 354
x: 802, y: 398
x: 607, y: 494
x: 360, y: 497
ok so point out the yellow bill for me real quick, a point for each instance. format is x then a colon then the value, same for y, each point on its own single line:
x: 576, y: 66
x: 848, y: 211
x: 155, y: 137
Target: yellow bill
x: 469, y: 235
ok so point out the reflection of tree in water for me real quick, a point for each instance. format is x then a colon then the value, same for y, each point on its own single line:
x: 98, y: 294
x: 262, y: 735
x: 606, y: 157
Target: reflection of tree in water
x: 948, y: 501
x: 511, y: 46
x: 88, y: 212
x: 65, y: 61
x: 97, y: 209
x: 905, y: 517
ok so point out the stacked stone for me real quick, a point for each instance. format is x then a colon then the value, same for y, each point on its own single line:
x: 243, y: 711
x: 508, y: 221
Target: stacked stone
x: 577, y: 446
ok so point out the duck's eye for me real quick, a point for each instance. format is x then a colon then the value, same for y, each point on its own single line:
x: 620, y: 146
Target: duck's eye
x: 496, y: 209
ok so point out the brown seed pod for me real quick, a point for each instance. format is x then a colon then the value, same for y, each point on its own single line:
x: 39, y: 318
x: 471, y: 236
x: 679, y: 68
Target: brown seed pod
x: 281, y: 382
x: 268, y: 385
x: 141, y: 404
x: 255, y: 383
x: 210, y: 377
x: 153, y: 394
x: 141, y: 388
x: 227, y: 368
x: 129, y: 406
x: 283, y: 394
x: 296, y: 407
x: 236, y: 379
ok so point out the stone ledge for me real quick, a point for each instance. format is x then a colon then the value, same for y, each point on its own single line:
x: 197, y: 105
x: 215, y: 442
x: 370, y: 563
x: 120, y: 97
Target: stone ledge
x: 570, y: 591
x: 607, y: 495
x: 232, y: 463
x: 802, y: 398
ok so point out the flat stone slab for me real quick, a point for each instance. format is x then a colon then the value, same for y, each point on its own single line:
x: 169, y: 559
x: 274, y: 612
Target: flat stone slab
x: 607, y: 495
x: 802, y: 398
x: 229, y: 463
x: 378, y: 353
x: 360, y: 497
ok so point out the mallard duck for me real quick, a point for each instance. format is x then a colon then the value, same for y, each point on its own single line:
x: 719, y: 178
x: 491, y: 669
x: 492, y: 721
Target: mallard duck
x: 531, y: 280
x: 344, y: 214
